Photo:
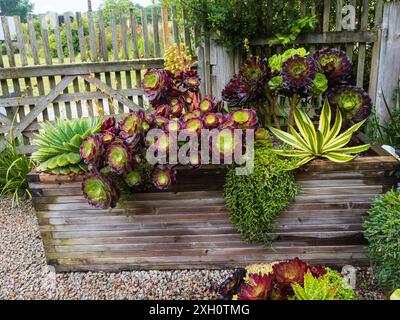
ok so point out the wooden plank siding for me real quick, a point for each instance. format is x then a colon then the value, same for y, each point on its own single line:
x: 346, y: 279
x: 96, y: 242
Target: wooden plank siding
x: 188, y: 226
x: 32, y: 67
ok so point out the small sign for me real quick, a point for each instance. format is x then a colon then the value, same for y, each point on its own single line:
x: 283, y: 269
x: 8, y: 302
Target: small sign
x: 349, y: 18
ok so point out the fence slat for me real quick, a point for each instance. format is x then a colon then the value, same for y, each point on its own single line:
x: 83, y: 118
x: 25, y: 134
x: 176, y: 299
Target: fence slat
x: 362, y: 46
x: 8, y: 41
x: 81, y: 36
x: 57, y: 35
x: 114, y: 35
x: 339, y: 6
x: 68, y: 34
x: 134, y: 34
x: 45, y: 38
x: 78, y: 102
x: 56, y: 106
x: 175, y: 27
x: 102, y: 37
x: 32, y: 40
x: 186, y: 32
x: 20, y: 39
x: 92, y: 38
x: 375, y: 56
x: 124, y: 36
x: 156, y: 36
x: 145, y: 34
x: 326, y: 15
x: 164, y: 16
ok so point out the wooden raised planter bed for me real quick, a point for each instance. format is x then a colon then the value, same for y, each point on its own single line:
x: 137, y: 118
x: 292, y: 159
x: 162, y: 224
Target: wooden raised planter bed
x: 188, y: 226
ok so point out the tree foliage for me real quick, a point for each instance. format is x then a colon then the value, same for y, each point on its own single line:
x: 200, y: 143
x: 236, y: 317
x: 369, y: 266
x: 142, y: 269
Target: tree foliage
x: 16, y: 8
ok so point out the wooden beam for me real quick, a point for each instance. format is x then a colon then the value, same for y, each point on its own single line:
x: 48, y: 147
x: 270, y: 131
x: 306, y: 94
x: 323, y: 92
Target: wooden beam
x: 41, y: 106
x: 328, y: 38
x: 80, y: 68
x: 111, y: 92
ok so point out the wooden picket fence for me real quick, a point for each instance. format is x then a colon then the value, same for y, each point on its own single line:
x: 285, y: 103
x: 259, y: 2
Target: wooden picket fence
x: 93, y: 81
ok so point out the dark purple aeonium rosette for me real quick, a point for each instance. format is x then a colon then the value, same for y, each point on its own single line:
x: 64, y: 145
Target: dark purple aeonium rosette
x: 335, y: 64
x: 190, y: 79
x: 157, y: 85
x: 298, y: 74
x: 163, y: 177
x: 91, y: 150
x: 100, y: 191
x: 354, y: 102
x: 118, y: 157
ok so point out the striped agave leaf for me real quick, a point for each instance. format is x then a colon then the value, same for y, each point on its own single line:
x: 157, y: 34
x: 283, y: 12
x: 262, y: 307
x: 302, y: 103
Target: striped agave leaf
x: 326, y: 142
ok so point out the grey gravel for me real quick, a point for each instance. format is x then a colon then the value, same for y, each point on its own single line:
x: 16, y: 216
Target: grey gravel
x: 25, y: 275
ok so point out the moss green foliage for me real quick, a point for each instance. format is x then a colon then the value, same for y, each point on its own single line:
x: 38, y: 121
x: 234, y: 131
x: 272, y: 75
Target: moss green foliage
x: 59, y: 145
x: 382, y: 230
x: 256, y: 200
x: 336, y: 281
x: 14, y: 168
x: 314, y: 289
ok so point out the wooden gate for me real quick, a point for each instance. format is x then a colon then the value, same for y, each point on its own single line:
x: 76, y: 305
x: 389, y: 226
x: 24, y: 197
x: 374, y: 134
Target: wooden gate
x: 90, y: 64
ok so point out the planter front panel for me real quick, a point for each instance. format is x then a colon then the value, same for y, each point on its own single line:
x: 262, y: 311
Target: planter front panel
x: 188, y: 226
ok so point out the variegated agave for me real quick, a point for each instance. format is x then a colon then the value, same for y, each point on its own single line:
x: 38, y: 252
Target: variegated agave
x: 326, y: 142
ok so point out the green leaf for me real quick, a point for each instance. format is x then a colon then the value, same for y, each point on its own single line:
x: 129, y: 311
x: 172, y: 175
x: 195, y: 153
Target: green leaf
x: 338, y: 157
x: 73, y: 158
x: 285, y: 137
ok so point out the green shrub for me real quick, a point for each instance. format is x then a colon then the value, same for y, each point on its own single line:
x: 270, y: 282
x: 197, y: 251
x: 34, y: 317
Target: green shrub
x: 382, y: 230
x: 13, y: 171
x: 343, y: 289
x: 257, y: 199
x: 314, y: 289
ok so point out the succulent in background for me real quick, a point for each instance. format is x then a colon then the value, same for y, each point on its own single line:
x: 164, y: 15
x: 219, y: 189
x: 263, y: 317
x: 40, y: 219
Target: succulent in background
x: 290, y: 272
x: 59, y: 144
x: 211, y: 120
x: 225, y: 143
x: 231, y: 285
x: 298, y: 74
x: 172, y: 126
x: 177, y: 110
x: 91, y: 149
x: 259, y: 287
x: 244, y: 118
x: 248, y: 85
x: 277, y: 60
x: 100, y: 191
x: 163, y: 110
x: 131, y: 125
x: 193, y: 125
x: 334, y: 64
x: 157, y: 84
x: 163, y: 177
x: 133, y: 178
x: 320, y: 84
x: 118, y: 158
x: 206, y: 105
x: 190, y: 79
x: 354, y: 102
x: 108, y: 125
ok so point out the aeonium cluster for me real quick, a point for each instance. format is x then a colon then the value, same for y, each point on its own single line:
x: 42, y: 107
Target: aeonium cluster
x: 284, y: 280
x: 117, y: 156
x: 299, y: 76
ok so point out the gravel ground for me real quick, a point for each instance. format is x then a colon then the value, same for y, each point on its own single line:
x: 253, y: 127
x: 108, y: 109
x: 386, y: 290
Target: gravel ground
x: 25, y: 275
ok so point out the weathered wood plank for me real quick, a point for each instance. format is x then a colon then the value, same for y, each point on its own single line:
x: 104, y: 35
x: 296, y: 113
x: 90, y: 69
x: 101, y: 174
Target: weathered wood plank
x: 114, y: 35
x: 156, y: 35
x: 145, y: 33
x: 102, y: 36
x: 164, y: 16
x: 326, y: 15
x: 81, y: 36
x: 68, y: 33
x: 124, y: 36
x: 20, y: 39
x: 134, y: 34
x: 92, y: 38
x: 362, y: 46
x: 80, y: 68
x: 175, y: 27
x: 57, y: 34
x: 8, y: 41
x: 32, y: 41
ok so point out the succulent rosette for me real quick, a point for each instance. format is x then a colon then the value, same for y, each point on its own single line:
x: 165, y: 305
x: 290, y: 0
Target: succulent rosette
x: 107, y: 138
x: 354, y: 102
x: 259, y: 287
x: 131, y: 125
x: 148, y: 122
x: 109, y: 125
x: 190, y: 79
x: 206, y: 105
x: 290, y: 272
x: 163, y: 142
x: 163, y: 110
x: 231, y: 285
x: 193, y: 125
x: 157, y: 85
x: 248, y: 85
x: 118, y: 158
x: 133, y: 178
x: 160, y: 121
x: 335, y: 64
x: 177, y: 110
x: 320, y: 84
x: 317, y: 271
x: 225, y: 143
x: 298, y: 74
x: 163, y: 177
x: 100, y: 191
x: 244, y: 118
x: 91, y: 150
x: 172, y: 126
x: 187, y: 116
x: 211, y: 120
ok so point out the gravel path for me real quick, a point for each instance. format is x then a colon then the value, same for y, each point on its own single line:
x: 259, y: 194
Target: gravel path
x: 25, y: 275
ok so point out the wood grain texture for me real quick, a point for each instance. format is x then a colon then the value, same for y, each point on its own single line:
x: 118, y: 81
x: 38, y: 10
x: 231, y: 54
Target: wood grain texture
x: 189, y: 227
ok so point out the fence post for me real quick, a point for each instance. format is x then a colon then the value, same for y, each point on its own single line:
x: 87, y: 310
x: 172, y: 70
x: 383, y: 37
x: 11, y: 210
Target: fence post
x: 389, y: 66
